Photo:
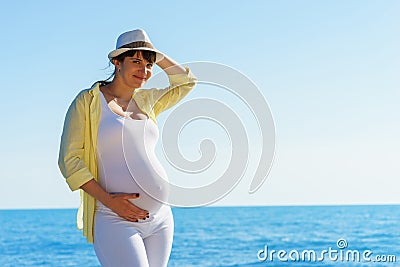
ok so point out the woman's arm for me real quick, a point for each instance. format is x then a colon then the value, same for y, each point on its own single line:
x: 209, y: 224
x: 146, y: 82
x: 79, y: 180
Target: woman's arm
x: 71, y: 154
x: 181, y: 82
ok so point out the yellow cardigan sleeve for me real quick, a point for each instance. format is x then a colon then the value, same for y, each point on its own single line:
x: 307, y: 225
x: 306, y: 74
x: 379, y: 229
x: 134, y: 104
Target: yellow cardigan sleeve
x: 180, y: 86
x: 70, y: 160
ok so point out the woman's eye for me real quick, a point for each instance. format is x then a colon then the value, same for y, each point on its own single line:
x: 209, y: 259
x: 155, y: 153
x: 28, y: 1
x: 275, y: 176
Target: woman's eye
x: 150, y: 65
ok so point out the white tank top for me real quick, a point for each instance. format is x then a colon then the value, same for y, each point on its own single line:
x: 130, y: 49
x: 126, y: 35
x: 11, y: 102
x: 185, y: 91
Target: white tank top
x: 125, y: 152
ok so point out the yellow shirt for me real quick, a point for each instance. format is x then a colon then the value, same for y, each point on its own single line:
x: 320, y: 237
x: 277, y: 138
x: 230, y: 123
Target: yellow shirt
x: 77, y: 157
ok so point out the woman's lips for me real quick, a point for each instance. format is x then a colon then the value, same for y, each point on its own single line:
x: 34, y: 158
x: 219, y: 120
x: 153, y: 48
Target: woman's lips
x: 140, y: 78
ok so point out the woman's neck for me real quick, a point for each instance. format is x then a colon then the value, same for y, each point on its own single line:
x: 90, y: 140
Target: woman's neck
x: 119, y: 91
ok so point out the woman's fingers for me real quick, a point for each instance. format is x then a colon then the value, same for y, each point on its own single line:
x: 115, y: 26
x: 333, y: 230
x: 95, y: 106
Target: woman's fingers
x: 134, y: 218
x: 126, y: 209
x: 125, y: 195
x: 131, y: 196
x: 138, y: 211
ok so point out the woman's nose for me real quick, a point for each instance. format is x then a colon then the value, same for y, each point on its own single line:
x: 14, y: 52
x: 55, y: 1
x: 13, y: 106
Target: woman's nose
x: 143, y: 69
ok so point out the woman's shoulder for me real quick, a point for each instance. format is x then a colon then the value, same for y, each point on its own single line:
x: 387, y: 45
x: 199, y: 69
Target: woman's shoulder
x: 89, y: 92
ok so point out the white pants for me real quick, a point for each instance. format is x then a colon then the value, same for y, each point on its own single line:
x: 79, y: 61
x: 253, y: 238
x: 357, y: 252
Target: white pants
x: 120, y: 243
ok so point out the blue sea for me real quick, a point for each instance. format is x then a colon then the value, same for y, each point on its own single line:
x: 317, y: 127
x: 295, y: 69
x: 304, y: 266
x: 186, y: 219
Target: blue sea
x: 223, y: 236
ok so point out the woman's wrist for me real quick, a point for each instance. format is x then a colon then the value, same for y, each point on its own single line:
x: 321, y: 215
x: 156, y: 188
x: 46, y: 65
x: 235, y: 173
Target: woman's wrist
x: 107, y: 201
x: 96, y: 191
x: 170, y: 66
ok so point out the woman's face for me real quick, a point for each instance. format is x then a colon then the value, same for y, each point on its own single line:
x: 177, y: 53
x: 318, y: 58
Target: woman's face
x: 134, y: 71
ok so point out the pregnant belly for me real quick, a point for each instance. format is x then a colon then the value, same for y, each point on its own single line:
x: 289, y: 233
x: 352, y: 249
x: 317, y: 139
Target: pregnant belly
x: 150, y: 177
x: 149, y: 180
x: 150, y: 202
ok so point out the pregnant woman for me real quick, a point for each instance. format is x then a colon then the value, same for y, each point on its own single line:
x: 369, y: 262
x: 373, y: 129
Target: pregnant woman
x: 107, y: 150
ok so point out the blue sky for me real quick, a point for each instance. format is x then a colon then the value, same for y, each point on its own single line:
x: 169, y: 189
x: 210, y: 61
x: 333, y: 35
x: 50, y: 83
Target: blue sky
x: 329, y: 70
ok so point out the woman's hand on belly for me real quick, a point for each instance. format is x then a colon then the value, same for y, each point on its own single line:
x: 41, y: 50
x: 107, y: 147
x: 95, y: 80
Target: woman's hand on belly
x: 121, y: 205
x: 118, y: 203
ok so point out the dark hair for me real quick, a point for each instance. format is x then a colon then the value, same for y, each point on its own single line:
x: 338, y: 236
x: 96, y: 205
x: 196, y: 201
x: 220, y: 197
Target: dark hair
x: 150, y: 56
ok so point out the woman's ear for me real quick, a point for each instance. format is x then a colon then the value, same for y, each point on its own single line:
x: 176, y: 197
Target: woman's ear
x: 116, y: 63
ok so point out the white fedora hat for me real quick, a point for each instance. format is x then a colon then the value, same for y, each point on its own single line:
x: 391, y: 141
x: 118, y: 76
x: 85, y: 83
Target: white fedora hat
x: 134, y: 40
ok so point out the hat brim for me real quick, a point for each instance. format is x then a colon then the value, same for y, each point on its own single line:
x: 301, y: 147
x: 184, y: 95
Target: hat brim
x: 119, y: 51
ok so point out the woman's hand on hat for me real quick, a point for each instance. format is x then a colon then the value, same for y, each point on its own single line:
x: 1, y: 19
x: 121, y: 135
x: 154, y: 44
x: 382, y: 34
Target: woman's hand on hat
x: 170, y: 66
x: 121, y: 205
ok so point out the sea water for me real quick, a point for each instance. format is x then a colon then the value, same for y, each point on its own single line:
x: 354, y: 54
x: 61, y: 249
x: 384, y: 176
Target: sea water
x: 223, y: 236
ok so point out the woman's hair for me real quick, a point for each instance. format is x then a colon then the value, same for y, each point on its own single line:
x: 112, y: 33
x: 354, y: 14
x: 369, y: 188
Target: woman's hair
x: 150, y: 56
